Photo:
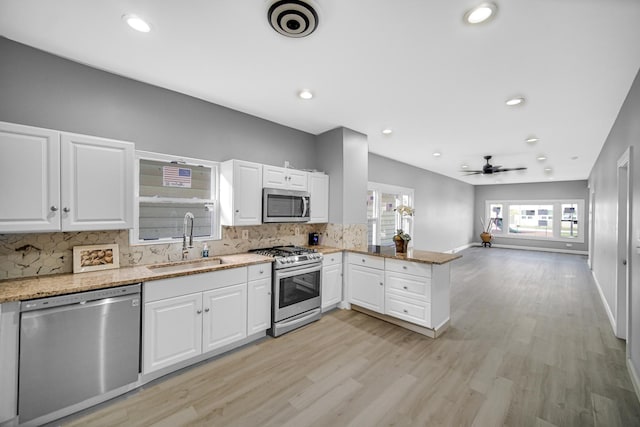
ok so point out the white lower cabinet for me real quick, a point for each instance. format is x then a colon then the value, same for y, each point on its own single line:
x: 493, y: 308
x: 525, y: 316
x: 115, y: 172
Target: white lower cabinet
x: 331, y: 280
x: 188, y: 316
x: 173, y: 331
x: 224, y: 316
x: 259, y: 298
x: 366, y: 282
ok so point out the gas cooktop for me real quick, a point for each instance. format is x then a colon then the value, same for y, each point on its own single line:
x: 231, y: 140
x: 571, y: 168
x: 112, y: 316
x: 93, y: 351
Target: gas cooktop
x: 290, y: 256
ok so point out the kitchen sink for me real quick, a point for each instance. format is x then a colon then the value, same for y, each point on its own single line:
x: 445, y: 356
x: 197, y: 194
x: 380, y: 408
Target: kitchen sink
x: 185, y: 265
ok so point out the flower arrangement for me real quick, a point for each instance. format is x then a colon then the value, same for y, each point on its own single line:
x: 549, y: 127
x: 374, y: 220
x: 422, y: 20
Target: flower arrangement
x: 403, y: 211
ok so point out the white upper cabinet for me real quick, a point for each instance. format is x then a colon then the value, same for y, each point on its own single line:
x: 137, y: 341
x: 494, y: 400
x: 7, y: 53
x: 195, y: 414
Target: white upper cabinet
x: 289, y: 179
x: 97, y: 175
x: 319, y: 190
x: 58, y: 181
x: 30, y: 176
x: 241, y: 193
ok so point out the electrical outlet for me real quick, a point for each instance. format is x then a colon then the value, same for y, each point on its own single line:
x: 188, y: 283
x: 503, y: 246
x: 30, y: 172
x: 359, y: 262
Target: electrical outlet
x: 245, y: 234
x: 296, y: 231
x: 286, y: 163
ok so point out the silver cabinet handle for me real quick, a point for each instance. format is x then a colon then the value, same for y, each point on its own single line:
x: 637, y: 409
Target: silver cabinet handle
x: 206, y: 310
x: 53, y: 208
x: 381, y: 284
x: 268, y: 293
x: 199, y: 311
x: 261, y: 272
x: 66, y: 210
x: 404, y: 267
x: 237, y: 210
x: 364, y: 260
x: 405, y: 310
x: 404, y: 287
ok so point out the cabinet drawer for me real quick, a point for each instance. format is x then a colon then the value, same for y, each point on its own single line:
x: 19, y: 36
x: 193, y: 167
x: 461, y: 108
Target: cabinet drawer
x: 176, y: 286
x: 332, y: 259
x: 407, y: 309
x: 408, y: 285
x: 259, y: 271
x: 415, y: 268
x: 367, y: 261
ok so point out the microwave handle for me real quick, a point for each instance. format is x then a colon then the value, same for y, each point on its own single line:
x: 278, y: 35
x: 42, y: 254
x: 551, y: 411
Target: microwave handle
x: 305, y: 204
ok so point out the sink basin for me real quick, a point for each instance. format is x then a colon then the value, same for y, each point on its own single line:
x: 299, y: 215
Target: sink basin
x: 185, y: 265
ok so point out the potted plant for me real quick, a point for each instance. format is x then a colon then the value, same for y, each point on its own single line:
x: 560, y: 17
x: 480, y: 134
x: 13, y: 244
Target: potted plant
x: 401, y: 239
x: 486, y: 235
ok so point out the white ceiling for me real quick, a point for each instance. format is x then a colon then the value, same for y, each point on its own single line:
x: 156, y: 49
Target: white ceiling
x: 411, y: 65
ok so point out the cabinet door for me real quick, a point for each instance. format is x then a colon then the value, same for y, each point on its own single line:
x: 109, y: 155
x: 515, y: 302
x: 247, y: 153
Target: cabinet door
x: 172, y: 331
x: 247, y: 193
x: 97, y: 183
x: 259, y: 306
x: 225, y: 316
x: 331, y: 285
x: 274, y: 177
x: 366, y: 287
x: 297, y: 180
x: 30, y: 176
x: 319, y: 190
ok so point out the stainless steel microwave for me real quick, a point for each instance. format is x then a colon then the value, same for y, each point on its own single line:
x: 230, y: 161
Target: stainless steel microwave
x: 285, y: 205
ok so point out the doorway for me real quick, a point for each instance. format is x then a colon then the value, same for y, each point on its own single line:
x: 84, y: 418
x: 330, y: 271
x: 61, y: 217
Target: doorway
x: 622, y: 259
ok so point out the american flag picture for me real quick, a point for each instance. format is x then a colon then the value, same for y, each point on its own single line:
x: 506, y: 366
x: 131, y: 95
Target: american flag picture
x: 176, y: 177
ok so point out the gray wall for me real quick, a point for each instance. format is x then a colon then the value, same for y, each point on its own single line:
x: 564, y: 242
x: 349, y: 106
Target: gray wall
x: 44, y: 90
x: 444, y: 206
x: 603, y: 181
x: 356, y: 170
x: 329, y: 158
x: 535, y: 191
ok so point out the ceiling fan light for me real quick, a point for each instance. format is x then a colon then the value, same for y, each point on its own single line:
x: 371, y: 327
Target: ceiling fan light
x: 517, y: 100
x: 437, y: 154
x: 387, y: 131
x: 305, y: 94
x: 532, y: 140
x: 541, y: 158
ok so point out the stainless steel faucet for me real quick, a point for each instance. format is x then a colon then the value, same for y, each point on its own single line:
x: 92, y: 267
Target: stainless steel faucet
x: 185, y: 250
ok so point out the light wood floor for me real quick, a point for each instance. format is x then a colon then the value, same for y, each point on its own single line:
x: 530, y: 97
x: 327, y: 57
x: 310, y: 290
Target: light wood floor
x: 529, y: 345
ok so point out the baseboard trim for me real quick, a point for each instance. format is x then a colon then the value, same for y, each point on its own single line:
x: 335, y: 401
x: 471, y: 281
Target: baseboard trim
x: 607, y: 309
x: 460, y: 248
x: 635, y: 380
x: 535, y: 248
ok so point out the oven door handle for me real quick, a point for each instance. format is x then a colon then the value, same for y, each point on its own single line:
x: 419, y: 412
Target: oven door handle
x: 299, y: 319
x: 293, y: 271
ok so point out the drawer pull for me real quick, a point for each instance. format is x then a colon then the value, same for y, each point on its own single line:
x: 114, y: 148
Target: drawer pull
x: 199, y: 311
x: 261, y: 272
x: 206, y: 310
x: 364, y: 260
x: 405, y: 310
x: 404, y: 267
x: 405, y: 288
x: 381, y: 284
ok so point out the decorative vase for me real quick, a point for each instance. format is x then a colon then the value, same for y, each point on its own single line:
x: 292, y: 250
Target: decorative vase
x: 401, y: 244
x: 486, y: 238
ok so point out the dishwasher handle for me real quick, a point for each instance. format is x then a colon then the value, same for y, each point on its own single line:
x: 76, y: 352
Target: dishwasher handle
x: 79, y: 298
x: 135, y: 302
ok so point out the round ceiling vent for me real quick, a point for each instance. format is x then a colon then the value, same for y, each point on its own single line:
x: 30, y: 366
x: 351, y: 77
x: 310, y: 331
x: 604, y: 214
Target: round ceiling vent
x: 293, y: 18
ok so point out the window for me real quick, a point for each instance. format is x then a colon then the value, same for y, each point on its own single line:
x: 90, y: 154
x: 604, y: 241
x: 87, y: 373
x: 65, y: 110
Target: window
x: 382, y: 219
x: 167, y: 188
x: 537, y: 219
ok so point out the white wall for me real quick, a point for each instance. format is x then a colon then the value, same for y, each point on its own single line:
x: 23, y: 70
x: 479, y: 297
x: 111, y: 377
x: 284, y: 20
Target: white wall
x: 444, y: 206
x: 625, y: 133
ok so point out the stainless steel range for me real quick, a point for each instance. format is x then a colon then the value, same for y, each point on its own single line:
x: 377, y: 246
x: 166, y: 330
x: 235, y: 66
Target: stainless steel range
x: 296, y: 287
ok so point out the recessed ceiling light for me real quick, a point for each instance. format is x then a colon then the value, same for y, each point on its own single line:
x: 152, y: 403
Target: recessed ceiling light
x: 547, y: 170
x: 305, y: 94
x: 481, y: 13
x: 532, y: 140
x: 541, y: 158
x: 137, y: 23
x: 437, y: 154
x: 387, y: 131
x: 517, y: 100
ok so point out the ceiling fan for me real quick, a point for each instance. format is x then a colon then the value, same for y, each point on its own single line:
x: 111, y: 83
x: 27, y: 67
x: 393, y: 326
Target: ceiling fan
x: 489, y: 169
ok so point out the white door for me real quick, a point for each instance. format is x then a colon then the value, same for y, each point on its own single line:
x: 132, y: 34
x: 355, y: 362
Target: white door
x: 97, y: 182
x: 319, y: 190
x: 331, y: 285
x: 30, y: 177
x: 366, y: 287
x: 247, y: 193
x: 259, y: 305
x: 172, y: 331
x: 225, y: 316
x: 623, y: 225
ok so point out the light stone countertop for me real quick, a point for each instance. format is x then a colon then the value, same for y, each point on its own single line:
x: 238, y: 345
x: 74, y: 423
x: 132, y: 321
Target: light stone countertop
x: 59, y: 284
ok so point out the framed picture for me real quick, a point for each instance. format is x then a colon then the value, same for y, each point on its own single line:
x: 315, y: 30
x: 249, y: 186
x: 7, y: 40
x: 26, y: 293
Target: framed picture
x: 96, y: 257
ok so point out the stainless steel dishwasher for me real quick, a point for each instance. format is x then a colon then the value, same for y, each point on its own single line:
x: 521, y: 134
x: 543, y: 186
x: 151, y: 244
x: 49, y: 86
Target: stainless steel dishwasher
x: 75, y: 347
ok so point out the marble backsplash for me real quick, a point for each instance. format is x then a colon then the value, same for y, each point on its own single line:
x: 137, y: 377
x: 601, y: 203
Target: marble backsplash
x: 24, y: 255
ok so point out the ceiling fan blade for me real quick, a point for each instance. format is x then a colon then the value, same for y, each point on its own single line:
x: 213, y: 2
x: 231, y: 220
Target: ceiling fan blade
x: 509, y: 169
x: 468, y: 172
